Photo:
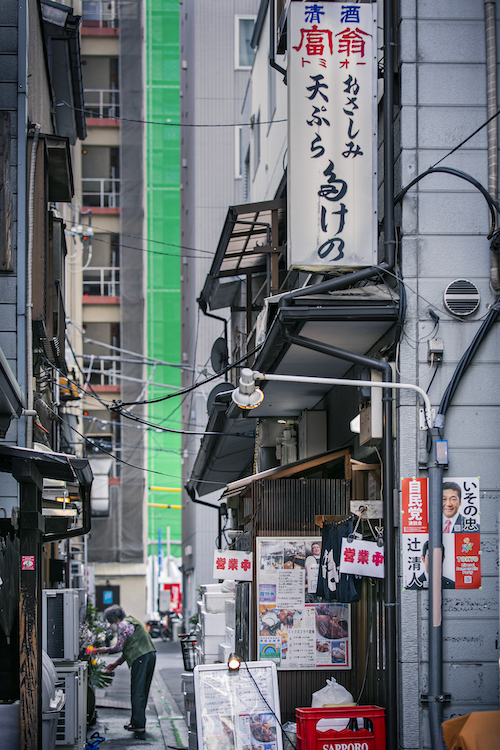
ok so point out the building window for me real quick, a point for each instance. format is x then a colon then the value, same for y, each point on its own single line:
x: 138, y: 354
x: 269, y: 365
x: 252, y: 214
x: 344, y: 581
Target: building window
x: 256, y: 142
x: 246, y: 177
x: 244, y: 54
x: 238, y: 155
x: 271, y: 93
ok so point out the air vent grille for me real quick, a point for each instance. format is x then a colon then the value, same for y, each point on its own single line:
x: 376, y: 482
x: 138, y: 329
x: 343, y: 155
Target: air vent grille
x: 461, y: 297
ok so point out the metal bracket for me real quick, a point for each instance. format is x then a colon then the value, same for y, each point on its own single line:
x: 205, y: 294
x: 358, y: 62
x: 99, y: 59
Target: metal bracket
x: 423, y: 422
x: 426, y: 699
x: 373, y: 508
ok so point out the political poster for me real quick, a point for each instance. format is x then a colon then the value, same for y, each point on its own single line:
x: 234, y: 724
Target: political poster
x: 461, y: 533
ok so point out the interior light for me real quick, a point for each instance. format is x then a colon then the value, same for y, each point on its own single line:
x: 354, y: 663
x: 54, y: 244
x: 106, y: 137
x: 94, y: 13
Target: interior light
x: 281, y: 421
x: 234, y: 662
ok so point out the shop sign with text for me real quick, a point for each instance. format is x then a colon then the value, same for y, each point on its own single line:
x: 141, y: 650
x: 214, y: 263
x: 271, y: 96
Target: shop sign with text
x: 332, y: 135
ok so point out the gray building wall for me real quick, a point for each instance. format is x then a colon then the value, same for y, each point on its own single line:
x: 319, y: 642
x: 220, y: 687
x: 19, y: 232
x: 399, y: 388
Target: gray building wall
x: 444, y: 225
x: 212, y: 93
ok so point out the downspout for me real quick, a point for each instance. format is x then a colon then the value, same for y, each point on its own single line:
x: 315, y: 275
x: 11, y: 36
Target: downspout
x: 391, y: 692
x: 272, y: 40
x: 492, y: 107
x: 435, y: 696
x: 29, y: 290
x: 22, y: 116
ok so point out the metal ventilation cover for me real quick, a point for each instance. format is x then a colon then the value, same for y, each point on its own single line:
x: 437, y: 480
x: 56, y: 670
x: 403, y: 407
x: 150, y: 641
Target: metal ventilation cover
x: 461, y: 297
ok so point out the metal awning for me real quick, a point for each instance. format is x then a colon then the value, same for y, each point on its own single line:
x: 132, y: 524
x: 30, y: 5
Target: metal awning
x: 223, y: 456
x: 356, y: 321
x: 244, y: 246
x: 58, y: 466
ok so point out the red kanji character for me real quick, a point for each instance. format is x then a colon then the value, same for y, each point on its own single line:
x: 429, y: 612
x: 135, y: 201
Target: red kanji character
x: 246, y: 564
x: 322, y: 62
x: 220, y: 563
x: 377, y: 558
x: 232, y: 564
x: 315, y: 41
x: 305, y: 61
x: 363, y: 556
x: 352, y: 41
x: 349, y: 554
x: 344, y: 63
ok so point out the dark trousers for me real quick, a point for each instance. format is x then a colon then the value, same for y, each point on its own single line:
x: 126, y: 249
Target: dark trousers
x: 141, y: 675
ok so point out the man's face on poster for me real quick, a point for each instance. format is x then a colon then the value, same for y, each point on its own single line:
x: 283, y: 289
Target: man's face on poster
x: 451, y: 503
x: 316, y: 549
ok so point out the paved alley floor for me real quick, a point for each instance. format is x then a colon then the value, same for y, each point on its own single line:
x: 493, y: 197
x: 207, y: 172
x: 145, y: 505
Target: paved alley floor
x: 165, y: 725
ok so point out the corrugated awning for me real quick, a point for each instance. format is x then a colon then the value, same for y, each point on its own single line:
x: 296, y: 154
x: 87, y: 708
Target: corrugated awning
x: 244, y: 245
x: 298, y: 467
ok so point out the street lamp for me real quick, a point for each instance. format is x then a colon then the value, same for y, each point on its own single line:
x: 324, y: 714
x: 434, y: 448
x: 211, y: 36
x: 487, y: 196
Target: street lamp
x: 249, y: 396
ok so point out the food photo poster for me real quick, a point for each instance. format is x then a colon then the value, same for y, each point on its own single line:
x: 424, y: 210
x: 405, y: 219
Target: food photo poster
x: 296, y: 629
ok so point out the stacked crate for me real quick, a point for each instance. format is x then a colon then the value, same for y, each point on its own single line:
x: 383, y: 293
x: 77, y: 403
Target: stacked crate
x: 211, y: 632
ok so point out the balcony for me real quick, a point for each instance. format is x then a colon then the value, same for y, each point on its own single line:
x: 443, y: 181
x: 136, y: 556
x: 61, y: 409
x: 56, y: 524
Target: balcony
x: 102, y: 374
x: 101, y: 192
x: 101, y: 282
x: 100, y: 14
x: 102, y: 104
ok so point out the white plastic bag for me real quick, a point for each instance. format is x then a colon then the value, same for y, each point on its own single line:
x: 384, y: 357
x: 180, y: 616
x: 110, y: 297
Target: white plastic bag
x: 332, y: 694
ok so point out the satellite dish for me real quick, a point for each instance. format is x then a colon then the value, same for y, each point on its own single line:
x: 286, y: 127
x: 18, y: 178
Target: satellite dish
x: 219, y: 388
x: 219, y: 355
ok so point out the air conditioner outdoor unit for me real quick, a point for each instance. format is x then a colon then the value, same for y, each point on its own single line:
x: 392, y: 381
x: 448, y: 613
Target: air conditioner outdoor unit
x: 71, y: 726
x: 60, y: 623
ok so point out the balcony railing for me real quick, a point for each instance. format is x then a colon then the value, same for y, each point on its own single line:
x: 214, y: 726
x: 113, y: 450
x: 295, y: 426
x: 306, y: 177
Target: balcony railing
x: 100, y: 13
x: 101, y: 282
x: 102, y: 103
x: 103, y: 192
x: 102, y: 371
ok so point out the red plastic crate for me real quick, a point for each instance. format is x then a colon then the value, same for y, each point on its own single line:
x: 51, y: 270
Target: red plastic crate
x: 308, y: 738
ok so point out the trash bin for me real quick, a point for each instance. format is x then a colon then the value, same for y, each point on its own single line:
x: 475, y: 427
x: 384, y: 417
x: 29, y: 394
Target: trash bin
x: 369, y: 736
x: 52, y: 703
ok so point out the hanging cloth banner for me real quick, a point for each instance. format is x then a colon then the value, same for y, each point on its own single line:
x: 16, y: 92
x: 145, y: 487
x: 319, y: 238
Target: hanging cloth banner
x: 362, y: 558
x: 334, y: 586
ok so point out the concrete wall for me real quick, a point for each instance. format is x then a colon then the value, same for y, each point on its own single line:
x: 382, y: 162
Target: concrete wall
x: 444, y: 226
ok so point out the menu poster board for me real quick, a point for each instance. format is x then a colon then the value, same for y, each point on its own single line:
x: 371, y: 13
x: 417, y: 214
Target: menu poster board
x: 296, y: 630
x: 237, y: 710
x: 461, y: 533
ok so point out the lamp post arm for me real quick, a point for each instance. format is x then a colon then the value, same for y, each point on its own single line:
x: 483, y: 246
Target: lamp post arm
x: 343, y: 381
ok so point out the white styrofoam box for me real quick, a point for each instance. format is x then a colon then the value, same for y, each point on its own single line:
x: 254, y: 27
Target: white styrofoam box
x: 211, y: 658
x: 230, y: 637
x: 214, y: 601
x: 230, y: 613
x: 210, y: 644
x: 198, y: 655
x: 205, y: 587
x: 225, y: 652
x: 212, y: 624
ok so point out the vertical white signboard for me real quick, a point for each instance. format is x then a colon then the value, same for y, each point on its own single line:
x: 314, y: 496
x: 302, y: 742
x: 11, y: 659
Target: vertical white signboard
x: 332, y: 135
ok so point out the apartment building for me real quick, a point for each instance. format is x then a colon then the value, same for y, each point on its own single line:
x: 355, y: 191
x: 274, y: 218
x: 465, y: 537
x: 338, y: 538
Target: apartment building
x: 113, y: 277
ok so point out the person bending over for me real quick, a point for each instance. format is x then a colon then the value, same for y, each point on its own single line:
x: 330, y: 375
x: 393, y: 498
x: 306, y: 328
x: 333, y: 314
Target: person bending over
x: 138, y: 651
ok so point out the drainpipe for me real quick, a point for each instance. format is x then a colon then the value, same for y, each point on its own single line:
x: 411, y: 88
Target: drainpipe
x: 22, y: 67
x: 492, y: 108
x: 272, y: 40
x: 391, y: 666
x: 435, y: 697
x: 29, y: 290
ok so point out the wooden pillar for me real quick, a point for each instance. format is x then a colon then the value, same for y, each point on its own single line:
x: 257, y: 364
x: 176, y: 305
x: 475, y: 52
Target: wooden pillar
x: 30, y: 604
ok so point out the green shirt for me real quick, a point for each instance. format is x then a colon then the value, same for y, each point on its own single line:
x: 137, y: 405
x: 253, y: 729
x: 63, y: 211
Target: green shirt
x: 137, y: 644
